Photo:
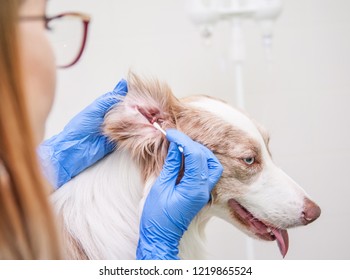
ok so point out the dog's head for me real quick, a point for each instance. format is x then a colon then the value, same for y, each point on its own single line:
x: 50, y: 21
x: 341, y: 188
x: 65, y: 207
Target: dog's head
x: 253, y: 193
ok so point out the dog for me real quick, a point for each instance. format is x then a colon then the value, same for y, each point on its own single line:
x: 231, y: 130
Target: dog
x: 100, y: 209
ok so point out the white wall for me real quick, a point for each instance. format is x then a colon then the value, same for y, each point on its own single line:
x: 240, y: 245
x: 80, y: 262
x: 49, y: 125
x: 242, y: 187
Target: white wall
x: 302, y: 98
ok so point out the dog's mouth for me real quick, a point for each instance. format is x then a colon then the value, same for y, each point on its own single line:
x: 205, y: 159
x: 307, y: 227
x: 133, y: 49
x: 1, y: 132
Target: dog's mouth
x: 259, y: 228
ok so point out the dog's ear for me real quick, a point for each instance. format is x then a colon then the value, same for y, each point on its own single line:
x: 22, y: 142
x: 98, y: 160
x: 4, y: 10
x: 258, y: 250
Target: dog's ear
x: 129, y: 123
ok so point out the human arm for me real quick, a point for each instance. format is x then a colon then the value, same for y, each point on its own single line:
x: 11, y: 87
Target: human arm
x: 162, y: 227
x: 81, y: 142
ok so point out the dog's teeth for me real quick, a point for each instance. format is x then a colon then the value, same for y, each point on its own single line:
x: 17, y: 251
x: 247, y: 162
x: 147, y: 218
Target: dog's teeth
x: 269, y: 230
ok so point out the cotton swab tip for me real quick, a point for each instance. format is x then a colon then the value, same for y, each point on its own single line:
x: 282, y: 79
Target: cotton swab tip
x: 157, y: 126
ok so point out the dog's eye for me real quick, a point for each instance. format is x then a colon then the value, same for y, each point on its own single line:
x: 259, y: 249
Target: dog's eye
x: 249, y: 160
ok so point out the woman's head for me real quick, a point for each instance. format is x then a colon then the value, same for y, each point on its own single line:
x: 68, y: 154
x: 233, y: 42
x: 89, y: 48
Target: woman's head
x: 37, y: 63
x: 27, y: 227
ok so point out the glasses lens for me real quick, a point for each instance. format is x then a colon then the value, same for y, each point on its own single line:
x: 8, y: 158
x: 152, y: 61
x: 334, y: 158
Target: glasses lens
x: 66, y: 36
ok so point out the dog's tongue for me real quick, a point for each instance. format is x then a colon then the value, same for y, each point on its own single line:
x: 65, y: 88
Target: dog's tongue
x: 282, y: 240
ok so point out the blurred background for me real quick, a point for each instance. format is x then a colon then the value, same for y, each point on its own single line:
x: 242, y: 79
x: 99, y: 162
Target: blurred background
x: 301, y: 95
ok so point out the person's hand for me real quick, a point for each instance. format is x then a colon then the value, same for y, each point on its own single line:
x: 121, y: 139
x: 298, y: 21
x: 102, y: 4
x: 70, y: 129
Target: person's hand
x: 81, y: 142
x: 170, y: 207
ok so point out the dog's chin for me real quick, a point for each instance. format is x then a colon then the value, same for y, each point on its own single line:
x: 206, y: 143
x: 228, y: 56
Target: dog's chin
x: 257, y: 228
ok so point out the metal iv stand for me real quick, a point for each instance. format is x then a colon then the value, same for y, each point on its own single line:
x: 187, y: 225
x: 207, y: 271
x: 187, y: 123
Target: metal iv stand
x: 206, y: 13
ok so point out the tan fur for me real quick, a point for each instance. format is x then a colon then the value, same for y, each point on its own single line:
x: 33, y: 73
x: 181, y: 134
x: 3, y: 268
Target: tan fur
x: 132, y: 131
x: 126, y: 125
x: 228, y: 135
x: 72, y: 249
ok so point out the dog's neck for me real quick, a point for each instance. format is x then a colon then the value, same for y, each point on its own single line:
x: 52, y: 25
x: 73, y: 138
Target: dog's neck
x: 192, y: 245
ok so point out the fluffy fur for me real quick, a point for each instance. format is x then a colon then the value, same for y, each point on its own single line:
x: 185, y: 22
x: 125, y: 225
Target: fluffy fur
x: 101, y: 207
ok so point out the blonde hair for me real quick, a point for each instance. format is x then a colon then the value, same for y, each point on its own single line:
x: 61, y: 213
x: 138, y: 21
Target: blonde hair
x: 27, y: 225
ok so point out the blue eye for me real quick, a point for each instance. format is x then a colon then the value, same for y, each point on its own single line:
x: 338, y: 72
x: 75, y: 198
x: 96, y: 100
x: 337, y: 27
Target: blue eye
x: 249, y: 160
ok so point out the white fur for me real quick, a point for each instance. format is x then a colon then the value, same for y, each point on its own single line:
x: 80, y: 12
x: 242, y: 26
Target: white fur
x: 230, y: 115
x: 274, y: 196
x: 280, y: 198
x: 101, y: 207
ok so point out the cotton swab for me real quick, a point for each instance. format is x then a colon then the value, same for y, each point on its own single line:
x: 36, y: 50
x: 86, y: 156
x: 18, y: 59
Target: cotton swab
x: 157, y: 126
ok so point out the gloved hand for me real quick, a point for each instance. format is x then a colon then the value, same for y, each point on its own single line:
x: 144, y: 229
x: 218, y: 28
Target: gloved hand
x: 170, y: 208
x: 81, y: 143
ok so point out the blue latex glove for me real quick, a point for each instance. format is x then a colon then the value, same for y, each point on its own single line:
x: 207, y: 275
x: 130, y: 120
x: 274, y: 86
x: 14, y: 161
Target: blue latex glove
x: 81, y: 143
x: 170, y: 208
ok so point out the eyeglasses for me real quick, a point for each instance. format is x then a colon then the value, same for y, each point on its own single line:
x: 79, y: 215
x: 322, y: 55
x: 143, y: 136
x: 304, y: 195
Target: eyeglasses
x: 68, y: 34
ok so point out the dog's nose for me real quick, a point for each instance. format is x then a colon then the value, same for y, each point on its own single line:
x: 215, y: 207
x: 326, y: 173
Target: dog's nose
x: 311, y: 211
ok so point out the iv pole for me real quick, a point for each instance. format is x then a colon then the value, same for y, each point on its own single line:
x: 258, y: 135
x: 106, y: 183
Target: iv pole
x: 206, y: 13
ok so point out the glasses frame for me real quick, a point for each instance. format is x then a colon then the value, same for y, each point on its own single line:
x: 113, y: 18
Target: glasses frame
x: 85, y: 19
